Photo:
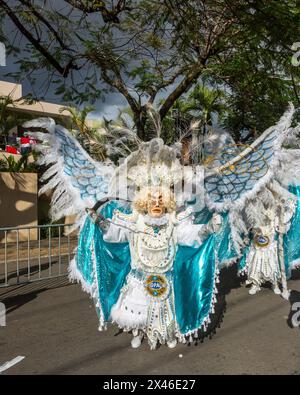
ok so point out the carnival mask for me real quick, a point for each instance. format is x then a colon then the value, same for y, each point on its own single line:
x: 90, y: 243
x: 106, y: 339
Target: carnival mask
x: 156, y: 207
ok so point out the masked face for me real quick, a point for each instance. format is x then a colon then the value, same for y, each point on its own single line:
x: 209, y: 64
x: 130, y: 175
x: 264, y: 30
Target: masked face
x: 156, y: 207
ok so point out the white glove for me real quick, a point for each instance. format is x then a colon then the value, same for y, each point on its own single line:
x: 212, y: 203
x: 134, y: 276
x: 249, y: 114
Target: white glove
x: 98, y: 219
x: 213, y: 226
x: 216, y: 222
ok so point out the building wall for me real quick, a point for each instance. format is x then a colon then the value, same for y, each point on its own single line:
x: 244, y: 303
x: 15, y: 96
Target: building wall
x: 38, y: 108
x: 18, y: 204
x: 9, y: 88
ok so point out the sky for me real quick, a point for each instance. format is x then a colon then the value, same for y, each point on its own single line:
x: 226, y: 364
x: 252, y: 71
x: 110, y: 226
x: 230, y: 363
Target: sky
x: 108, y: 109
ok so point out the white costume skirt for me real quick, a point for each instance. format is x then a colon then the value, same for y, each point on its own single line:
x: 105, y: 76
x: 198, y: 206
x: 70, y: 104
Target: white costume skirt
x: 131, y: 309
x: 263, y: 264
x: 137, y: 309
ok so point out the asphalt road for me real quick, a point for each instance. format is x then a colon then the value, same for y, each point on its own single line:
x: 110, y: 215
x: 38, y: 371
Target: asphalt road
x: 54, y: 325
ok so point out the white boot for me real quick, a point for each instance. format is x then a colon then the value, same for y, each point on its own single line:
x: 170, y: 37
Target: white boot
x: 285, y: 294
x: 276, y: 289
x: 254, y: 289
x: 137, y: 341
x: 172, y: 343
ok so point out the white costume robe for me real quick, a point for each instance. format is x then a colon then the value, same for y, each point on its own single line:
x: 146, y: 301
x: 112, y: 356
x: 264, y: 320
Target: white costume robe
x: 153, y: 244
x: 263, y: 261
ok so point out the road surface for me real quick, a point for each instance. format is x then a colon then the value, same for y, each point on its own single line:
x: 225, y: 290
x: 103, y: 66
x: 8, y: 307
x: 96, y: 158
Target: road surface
x: 54, y: 326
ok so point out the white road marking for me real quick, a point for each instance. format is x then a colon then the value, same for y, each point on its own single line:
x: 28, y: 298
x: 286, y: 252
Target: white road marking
x: 11, y: 363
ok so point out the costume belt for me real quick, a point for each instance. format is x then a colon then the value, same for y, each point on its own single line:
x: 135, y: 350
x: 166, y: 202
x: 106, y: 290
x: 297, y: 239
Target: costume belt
x: 157, y: 285
x: 261, y: 240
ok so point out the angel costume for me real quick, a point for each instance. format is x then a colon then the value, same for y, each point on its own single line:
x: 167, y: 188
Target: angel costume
x: 263, y: 261
x: 151, y: 259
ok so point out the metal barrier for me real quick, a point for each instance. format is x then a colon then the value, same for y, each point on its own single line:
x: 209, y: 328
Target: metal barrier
x: 34, y: 253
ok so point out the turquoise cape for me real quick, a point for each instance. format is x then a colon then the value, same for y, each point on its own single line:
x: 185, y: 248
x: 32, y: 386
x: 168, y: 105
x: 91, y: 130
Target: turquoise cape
x: 195, y: 272
x: 195, y: 269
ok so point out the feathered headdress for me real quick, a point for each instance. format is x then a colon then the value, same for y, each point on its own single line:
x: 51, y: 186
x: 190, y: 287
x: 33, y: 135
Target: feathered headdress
x: 153, y: 164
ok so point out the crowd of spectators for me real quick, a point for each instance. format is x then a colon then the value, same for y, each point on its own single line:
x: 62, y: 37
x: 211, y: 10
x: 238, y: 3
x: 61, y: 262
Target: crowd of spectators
x: 17, y: 143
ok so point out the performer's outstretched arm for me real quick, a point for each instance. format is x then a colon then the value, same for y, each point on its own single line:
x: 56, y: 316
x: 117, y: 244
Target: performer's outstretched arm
x: 190, y: 234
x: 112, y: 230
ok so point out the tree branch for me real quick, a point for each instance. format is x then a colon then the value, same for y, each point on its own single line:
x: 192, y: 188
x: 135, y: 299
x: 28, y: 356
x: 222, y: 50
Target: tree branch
x: 184, y: 85
x: 90, y: 7
x: 63, y: 70
x: 45, y: 22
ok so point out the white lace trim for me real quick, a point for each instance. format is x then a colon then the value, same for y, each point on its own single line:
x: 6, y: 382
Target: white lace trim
x: 151, y: 221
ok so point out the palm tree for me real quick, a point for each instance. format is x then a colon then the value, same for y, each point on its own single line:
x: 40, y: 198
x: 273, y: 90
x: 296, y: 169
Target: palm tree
x: 203, y: 103
x: 22, y: 165
x: 79, y: 118
x: 177, y: 121
x: 91, y: 138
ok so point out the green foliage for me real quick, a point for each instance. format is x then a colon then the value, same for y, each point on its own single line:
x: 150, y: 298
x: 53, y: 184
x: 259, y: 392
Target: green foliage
x: 10, y: 118
x: 22, y: 165
x: 149, y: 50
x: 200, y: 104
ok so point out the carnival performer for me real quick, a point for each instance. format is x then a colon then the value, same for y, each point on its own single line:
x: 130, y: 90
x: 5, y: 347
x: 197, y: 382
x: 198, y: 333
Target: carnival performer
x: 154, y: 232
x: 267, y: 259
x: 146, y: 304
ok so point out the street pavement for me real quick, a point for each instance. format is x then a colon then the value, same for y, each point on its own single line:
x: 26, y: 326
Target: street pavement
x: 53, y: 324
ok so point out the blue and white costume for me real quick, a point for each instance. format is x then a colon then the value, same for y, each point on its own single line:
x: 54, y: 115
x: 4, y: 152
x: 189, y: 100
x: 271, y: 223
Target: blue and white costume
x: 147, y: 299
x: 160, y: 275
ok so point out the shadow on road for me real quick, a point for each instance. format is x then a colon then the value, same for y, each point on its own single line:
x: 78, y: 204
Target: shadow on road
x: 229, y: 279
x: 35, y: 269
x: 15, y: 302
x: 17, y: 296
x: 295, y: 274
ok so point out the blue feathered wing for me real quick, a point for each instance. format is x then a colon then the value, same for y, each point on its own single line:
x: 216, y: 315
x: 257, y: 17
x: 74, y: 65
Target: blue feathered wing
x: 78, y: 180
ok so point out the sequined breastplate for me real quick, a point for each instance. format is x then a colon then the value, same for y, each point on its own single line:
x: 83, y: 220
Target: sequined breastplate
x: 156, y: 248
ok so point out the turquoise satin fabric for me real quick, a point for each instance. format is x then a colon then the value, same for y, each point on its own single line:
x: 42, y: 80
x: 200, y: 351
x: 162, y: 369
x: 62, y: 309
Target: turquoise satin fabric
x: 224, y: 247
x: 113, y: 265
x: 223, y: 244
x: 202, y: 217
x: 194, y: 272
x: 291, y: 240
x: 84, y: 261
x: 112, y: 261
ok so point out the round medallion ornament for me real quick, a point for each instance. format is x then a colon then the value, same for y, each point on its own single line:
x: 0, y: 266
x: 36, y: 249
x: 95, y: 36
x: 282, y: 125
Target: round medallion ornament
x: 156, y: 285
x: 261, y: 240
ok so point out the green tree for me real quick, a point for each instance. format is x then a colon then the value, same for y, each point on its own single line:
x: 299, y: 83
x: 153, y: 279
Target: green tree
x: 199, y: 105
x: 21, y: 165
x: 147, y: 50
x: 91, y: 138
x: 8, y: 119
x: 204, y: 103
